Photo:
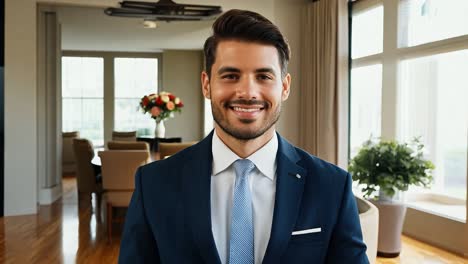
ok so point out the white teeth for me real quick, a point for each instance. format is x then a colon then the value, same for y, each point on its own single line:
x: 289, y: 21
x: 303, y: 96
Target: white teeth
x: 246, y: 109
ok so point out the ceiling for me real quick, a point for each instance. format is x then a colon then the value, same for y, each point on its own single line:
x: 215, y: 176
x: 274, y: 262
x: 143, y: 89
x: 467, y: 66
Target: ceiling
x: 88, y: 28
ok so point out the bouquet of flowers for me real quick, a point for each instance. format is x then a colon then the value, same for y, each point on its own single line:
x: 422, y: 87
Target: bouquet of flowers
x: 161, y: 106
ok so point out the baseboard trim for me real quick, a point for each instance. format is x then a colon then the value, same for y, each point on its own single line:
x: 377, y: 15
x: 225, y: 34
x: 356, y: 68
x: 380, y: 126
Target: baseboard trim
x: 17, y: 212
x: 50, y: 195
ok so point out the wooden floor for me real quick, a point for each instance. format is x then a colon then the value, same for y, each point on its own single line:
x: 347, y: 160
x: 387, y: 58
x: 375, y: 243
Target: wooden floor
x: 65, y: 232
x: 416, y: 252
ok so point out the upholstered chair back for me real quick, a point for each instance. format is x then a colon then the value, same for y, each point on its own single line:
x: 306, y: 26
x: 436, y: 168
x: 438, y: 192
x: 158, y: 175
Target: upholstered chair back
x: 124, y: 136
x: 85, y: 177
x: 68, y: 155
x: 169, y: 149
x: 118, y: 177
x: 127, y: 145
x: 118, y: 173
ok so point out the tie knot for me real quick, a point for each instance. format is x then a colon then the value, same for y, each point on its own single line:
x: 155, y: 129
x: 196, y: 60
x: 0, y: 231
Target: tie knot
x: 243, y: 167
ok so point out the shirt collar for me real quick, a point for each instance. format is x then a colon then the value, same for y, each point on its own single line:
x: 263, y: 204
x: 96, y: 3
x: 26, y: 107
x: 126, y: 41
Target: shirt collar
x: 264, y: 158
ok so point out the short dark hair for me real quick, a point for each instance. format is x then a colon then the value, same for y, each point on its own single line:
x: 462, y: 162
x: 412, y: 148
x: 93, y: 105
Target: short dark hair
x: 246, y: 26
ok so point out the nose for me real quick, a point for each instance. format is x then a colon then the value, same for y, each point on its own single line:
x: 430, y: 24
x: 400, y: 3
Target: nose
x: 247, y: 88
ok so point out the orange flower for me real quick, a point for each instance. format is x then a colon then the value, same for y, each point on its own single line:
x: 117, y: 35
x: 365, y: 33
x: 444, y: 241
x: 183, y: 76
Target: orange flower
x: 155, y: 111
x: 170, y: 106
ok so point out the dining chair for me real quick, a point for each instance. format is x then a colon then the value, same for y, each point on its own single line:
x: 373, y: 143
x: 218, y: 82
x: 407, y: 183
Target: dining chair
x: 118, y: 180
x: 87, y: 182
x: 126, y: 145
x: 68, y: 155
x: 124, y: 136
x: 169, y: 149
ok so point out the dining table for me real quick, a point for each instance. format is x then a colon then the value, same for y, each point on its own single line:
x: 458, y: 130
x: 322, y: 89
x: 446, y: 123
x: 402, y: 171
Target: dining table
x: 154, y: 141
x: 96, y: 161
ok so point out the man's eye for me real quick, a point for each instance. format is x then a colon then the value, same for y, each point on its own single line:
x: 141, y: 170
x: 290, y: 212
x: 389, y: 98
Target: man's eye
x: 230, y: 76
x: 264, y: 77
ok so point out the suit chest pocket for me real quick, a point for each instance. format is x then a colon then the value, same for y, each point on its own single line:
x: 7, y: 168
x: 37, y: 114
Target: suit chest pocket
x: 307, y: 248
x: 311, y: 239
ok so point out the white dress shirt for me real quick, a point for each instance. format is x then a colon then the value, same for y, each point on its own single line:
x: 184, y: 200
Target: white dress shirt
x: 262, y: 181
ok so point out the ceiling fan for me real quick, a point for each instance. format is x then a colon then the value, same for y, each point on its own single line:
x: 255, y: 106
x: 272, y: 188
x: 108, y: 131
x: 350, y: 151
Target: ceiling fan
x: 164, y: 10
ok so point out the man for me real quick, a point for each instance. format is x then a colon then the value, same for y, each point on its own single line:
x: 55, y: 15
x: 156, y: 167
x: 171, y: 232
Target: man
x: 243, y: 194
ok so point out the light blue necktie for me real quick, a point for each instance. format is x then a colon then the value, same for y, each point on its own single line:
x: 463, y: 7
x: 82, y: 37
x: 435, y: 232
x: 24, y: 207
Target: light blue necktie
x: 241, y: 250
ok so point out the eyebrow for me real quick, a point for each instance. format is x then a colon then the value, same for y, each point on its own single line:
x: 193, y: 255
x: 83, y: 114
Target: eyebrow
x: 233, y: 69
x: 227, y: 69
x: 268, y: 70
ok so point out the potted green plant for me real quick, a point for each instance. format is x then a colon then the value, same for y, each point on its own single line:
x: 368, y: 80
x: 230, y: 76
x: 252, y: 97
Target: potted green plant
x: 383, y: 169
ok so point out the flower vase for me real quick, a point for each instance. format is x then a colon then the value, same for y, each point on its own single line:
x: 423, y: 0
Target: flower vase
x: 160, y: 131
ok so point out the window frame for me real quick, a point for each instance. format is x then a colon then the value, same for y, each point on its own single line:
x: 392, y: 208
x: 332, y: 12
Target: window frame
x: 393, y: 52
x: 392, y: 55
x: 81, y: 98
x: 159, y: 72
x: 109, y: 98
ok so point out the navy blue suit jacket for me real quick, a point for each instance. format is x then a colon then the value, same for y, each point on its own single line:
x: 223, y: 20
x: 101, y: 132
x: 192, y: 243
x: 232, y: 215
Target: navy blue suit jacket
x: 169, y: 217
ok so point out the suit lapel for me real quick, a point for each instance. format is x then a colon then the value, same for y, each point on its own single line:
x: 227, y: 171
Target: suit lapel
x: 196, y: 184
x: 289, y: 189
x: 196, y: 177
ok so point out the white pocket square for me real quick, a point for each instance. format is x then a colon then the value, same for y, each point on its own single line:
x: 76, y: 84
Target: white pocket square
x: 307, y: 231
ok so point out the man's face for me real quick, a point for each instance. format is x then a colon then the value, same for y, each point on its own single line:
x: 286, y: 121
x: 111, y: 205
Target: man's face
x: 246, y: 88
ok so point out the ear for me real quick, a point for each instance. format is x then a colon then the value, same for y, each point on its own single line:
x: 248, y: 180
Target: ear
x: 286, y: 87
x: 205, y: 81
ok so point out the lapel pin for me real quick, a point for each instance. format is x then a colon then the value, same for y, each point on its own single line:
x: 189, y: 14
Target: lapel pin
x: 298, y: 176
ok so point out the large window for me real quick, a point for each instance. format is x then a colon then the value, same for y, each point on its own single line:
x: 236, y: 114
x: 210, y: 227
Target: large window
x: 82, y: 97
x: 413, y: 81
x: 134, y: 78
x: 424, y: 21
x: 366, y: 108
x: 367, y: 36
x: 433, y: 96
x: 366, y: 80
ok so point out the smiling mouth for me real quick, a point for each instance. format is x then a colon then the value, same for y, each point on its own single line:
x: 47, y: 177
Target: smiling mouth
x: 246, y: 109
x: 246, y: 106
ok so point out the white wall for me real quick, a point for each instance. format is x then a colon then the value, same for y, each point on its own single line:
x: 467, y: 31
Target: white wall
x: 181, y: 76
x: 90, y: 29
x: 20, y: 108
x: 437, y: 230
x: 21, y: 136
x: 49, y: 118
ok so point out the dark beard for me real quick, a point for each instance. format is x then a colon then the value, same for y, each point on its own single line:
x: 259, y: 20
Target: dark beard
x: 237, y: 133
